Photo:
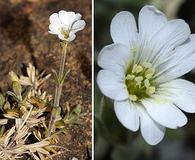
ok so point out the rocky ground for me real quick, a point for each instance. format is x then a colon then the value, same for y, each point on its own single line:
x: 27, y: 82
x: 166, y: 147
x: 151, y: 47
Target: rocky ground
x: 24, y: 38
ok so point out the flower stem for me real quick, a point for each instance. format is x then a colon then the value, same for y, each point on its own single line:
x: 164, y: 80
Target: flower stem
x: 58, y: 90
x: 59, y: 85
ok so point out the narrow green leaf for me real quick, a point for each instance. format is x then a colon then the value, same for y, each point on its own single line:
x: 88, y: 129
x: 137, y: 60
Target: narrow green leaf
x: 62, y: 79
x: 2, y: 101
x: 17, y: 88
x: 56, y: 76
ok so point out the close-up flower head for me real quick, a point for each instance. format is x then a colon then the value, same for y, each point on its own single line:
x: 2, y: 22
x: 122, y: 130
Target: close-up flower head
x: 141, y: 72
x: 65, y: 24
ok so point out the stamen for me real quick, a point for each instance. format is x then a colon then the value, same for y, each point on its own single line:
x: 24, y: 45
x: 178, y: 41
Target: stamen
x: 139, y: 81
x: 150, y: 90
x: 146, y: 83
x: 133, y: 97
x: 149, y: 73
x: 147, y: 65
x: 138, y: 69
x: 134, y: 68
x: 130, y: 77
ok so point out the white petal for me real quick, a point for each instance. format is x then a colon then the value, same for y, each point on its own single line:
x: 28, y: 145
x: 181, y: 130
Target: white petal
x: 112, y: 85
x: 165, y: 113
x: 71, y: 37
x: 123, y: 28
x: 151, y: 131
x: 127, y: 114
x: 66, y: 18
x: 115, y: 57
x: 181, y: 62
x: 150, y: 21
x: 72, y: 17
x: 51, y: 32
x: 170, y: 36
x: 61, y: 36
x: 77, y: 16
x: 182, y: 93
x: 55, y: 29
x: 54, y: 19
x: 78, y: 25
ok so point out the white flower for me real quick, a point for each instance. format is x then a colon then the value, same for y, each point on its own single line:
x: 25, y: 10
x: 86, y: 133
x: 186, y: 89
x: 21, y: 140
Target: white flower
x: 66, y: 24
x: 141, y: 70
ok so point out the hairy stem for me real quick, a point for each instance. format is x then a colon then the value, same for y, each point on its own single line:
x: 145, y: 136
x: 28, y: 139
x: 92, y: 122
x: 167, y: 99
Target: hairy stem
x: 58, y: 90
x: 59, y: 86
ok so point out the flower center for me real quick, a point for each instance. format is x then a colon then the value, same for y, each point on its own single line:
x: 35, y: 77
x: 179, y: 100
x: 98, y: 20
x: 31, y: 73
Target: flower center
x: 65, y: 32
x: 139, y: 81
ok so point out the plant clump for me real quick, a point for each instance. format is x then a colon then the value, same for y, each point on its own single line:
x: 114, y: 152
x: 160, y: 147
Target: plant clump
x: 25, y: 116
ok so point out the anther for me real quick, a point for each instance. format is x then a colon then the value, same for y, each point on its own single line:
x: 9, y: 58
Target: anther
x: 149, y: 73
x: 133, y: 97
x: 147, y: 65
x: 138, y: 69
x: 139, y: 79
x: 130, y: 77
x: 150, y: 90
x: 146, y: 83
x: 134, y: 68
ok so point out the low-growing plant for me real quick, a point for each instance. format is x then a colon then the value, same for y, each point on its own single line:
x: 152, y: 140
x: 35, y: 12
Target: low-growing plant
x: 25, y: 117
x: 30, y: 119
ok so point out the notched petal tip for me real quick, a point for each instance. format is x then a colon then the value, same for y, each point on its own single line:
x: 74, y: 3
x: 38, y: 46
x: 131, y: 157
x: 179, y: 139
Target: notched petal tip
x: 123, y: 28
x: 122, y: 15
x: 185, y: 26
x: 62, y: 12
x: 153, y: 9
x: 78, y: 16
